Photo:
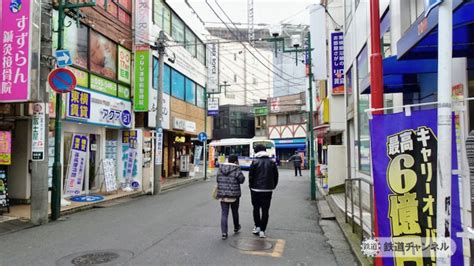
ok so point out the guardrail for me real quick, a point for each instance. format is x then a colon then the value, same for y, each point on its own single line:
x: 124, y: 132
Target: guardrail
x: 349, y: 184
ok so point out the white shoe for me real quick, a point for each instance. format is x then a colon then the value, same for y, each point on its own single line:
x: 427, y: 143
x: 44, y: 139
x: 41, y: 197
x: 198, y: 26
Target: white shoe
x: 256, y: 230
x: 261, y: 234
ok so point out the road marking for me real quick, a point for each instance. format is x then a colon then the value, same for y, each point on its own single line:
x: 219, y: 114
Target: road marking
x: 277, y: 251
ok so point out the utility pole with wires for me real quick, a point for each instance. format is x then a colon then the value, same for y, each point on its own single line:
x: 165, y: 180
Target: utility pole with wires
x: 158, y: 169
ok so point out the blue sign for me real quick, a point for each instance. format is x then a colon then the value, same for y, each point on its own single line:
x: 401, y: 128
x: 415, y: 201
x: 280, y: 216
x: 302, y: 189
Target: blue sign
x: 202, y: 137
x: 87, y: 198
x: 430, y: 5
x: 62, y: 80
x: 337, y: 59
x: 63, y: 58
x: 125, y: 118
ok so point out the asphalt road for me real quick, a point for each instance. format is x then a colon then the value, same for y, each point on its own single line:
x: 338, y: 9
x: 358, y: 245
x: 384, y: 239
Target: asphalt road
x: 181, y: 227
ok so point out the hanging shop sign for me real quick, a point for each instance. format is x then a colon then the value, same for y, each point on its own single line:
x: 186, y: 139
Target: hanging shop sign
x: 5, y: 148
x: 142, y: 80
x: 96, y: 108
x: 124, y: 57
x: 159, y: 147
x: 179, y: 124
x: 213, y: 68
x: 15, y: 68
x: 180, y: 139
x: 103, y: 85
x: 213, y: 106
x: 404, y: 157
x: 337, y: 59
x: 4, y: 200
x: 38, y: 132
x: 165, y: 112
x: 77, y: 165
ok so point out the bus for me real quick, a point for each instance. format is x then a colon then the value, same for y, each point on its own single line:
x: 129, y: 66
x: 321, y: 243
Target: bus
x: 219, y: 150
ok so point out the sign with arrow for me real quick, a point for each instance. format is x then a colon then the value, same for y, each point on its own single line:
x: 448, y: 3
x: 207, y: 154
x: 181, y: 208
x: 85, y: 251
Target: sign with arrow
x: 63, y: 58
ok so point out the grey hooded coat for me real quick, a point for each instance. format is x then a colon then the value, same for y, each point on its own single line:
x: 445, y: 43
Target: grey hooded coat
x: 229, y: 178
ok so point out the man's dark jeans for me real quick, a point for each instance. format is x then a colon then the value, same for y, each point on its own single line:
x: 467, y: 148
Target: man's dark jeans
x: 297, y: 168
x: 261, y: 201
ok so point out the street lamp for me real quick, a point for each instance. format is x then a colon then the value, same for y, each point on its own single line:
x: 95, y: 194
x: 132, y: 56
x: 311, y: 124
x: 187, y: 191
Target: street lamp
x: 56, y: 189
x: 296, y: 43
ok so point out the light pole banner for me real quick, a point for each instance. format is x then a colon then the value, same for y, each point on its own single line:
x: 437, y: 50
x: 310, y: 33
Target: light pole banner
x: 213, y: 106
x: 15, y: 57
x: 337, y: 62
x: 77, y: 165
x: 213, y: 68
x: 142, y: 80
x: 404, y: 158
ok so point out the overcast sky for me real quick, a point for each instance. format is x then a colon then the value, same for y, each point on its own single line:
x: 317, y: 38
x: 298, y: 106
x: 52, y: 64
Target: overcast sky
x: 265, y: 11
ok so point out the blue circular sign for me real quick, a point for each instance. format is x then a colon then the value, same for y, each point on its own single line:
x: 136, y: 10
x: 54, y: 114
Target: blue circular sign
x: 202, y: 136
x: 62, y: 80
x: 87, y: 198
x: 126, y: 118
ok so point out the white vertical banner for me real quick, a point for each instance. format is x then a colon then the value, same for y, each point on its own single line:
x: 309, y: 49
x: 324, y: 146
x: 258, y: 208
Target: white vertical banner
x: 159, y: 147
x: 317, y: 22
x: 213, y: 68
x: 38, y: 132
x: 77, y: 165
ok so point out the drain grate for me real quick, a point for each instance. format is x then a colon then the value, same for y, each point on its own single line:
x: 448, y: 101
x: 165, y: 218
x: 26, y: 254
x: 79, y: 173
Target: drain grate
x: 251, y: 244
x: 97, y: 257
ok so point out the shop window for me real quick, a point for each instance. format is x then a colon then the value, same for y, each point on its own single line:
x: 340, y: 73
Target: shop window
x: 190, y: 42
x: 177, y: 28
x: 103, y: 55
x: 200, y: 96
x: 190, y: 92
x: 75, y: 40
x: 166, y: 76
x: 295, y: 119
x: 177, y: 84
x: 201, y: 52
x: 363, y: 120
x: 162, y: 15
x: 349, y: 87
x: 282, y: 120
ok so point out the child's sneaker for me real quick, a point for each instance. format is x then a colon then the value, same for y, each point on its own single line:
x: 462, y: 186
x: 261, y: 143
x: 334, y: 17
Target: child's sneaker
x: 261, y: 234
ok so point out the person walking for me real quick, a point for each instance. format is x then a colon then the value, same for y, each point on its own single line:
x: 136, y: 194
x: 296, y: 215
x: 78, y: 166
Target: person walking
x: 229, y: 178
x: 296, y: 158
x: 263, y: 179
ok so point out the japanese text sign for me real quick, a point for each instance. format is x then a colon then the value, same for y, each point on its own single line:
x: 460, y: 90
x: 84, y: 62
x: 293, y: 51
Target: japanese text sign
x: 142, y: 80
x: 404, y: 157
x: 5, y: 148
x: 79, y: 105
x: 15, y: 56
x: 77, y: 165
x: 124, y: 65
x: 337, y: 59
x: 38, y: 132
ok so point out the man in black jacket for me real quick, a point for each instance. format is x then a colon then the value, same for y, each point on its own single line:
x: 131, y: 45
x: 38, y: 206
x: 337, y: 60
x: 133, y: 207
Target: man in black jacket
x: 263, y: 179
x: 296, y: 158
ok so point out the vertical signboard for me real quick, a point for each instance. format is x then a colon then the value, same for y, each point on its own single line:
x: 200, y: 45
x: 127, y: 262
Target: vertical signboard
x: 142, y: 21
x: 165, y: 112
x: 213, y: 68
x: 142, y: 80
x: 5, y: 148
x: 4, y: 200
x: 77, y: 165
x: 124, y: 64
x: 405, y: 172
x: 15, y: 57
x: 129, y: 156
x: 159, y: 147
x: 79, y: 104
x: 213, y: 106
x: 38, y: 132
x: 337, y: 62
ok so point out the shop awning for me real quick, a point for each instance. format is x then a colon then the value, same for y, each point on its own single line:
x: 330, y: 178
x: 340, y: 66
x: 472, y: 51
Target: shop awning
x: 421, y: 39
x: 401, y: 76
x: 290, y: 146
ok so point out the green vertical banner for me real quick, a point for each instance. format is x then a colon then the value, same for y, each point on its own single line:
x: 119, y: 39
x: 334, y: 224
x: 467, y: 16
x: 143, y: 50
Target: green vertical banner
x: 142, y: 81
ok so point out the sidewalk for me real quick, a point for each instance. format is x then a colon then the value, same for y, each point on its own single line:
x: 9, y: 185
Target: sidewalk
x: 19, y: 216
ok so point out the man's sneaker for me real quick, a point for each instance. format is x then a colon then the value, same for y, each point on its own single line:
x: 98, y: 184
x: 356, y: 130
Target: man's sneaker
x: 236, y: 230
x: 256, y: 230
x: 261, y: 234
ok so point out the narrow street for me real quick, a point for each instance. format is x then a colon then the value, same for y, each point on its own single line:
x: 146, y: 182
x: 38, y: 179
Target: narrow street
x: 181, y: 227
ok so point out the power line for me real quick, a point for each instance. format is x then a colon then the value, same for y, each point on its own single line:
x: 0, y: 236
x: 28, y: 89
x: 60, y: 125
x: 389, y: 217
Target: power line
x: 225, y: 14
x: 243, y: 43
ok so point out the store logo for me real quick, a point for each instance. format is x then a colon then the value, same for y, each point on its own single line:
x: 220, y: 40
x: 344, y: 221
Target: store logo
x: 15, y: 6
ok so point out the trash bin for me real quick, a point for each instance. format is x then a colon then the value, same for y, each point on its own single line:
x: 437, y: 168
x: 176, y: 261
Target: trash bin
x: 184, y: 166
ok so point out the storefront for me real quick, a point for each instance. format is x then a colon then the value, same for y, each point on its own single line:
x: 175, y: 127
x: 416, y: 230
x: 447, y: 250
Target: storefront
x: 96, y: 142
x: 285, y: 148
x: 180, y: 146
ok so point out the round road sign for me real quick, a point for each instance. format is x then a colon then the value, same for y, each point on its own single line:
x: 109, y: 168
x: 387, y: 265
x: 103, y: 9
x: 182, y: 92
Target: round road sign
x: 202, y: 136
x: 62, y: 80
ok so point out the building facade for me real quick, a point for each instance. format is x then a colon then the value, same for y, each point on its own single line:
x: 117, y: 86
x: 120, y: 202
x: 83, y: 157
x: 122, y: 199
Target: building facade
x: 233, y: 121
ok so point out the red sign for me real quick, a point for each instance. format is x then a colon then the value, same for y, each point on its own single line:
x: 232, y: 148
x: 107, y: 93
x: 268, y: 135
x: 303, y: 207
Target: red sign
x: 62, y: 80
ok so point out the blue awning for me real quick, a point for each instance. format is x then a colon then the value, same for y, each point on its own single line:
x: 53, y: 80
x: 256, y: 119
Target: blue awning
x: 290, y: 146
x: 401, y: 76
x: 421, y: 39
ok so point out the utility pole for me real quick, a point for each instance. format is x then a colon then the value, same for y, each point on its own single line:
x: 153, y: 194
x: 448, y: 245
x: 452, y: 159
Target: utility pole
x: 56, y: 190
x: 159, y: 108
x: 39, y: 169
x: 443, y: 200
x: 310, y: 123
